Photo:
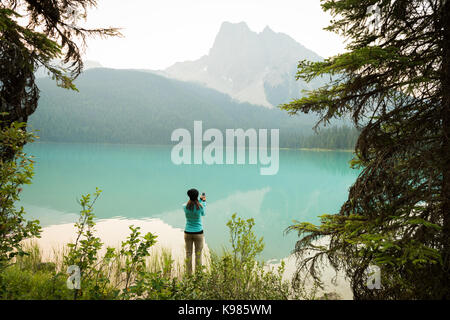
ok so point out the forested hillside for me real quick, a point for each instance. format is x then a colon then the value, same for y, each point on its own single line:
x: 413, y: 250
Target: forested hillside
x: 128, y: 106
x: 331, y: 138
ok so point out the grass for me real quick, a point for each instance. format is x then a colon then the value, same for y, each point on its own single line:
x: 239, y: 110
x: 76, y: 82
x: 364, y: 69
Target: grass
x: 33, y: 277
x: 139, y: 270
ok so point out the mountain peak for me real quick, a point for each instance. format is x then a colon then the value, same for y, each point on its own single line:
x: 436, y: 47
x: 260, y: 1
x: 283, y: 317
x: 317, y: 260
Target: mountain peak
x: 251, y: 67
x: 231, y: 37
x: 268, y: 30
x: 233, y: 27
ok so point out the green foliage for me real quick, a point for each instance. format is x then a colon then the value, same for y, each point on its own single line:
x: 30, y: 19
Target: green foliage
x: 25, y: 284
x: 244, y: 244
x: 15, y: 170
x: 127, y: 266
x: 135, y: 250
x: 331, y: 138
x: 237, y: 274
x: 83, y: 253
x: 44, y: 32
x: 47, y: 49
x: 394, y: 82
x: 30, y: 278
x: 153, y: 286
x: 379, y: 248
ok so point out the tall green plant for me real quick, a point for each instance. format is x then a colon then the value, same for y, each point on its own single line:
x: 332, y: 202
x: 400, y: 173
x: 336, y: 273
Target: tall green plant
x: 135, y: 250
x: 84, y: 254
x: 14, y: 173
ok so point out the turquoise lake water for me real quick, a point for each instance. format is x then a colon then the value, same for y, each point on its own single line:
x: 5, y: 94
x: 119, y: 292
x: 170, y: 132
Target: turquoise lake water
x: 141, y: 182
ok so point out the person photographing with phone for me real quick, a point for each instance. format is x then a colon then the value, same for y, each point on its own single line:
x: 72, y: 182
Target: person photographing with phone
x: 194, y: 210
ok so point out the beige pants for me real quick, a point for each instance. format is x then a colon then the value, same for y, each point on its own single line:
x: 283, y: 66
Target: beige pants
x: 191, y: 240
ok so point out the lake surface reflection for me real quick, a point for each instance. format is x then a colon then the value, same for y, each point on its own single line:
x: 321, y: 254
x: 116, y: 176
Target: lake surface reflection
x: 141, y: 182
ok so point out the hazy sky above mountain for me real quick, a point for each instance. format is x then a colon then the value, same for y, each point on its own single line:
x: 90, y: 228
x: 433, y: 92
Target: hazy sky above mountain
x: 158, y: 33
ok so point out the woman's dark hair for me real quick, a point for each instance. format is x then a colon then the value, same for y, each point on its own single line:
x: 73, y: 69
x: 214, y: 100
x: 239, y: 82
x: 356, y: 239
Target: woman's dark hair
x: 193, y: 199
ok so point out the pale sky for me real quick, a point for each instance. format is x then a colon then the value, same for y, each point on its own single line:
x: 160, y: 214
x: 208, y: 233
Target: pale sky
x: 158, y: 33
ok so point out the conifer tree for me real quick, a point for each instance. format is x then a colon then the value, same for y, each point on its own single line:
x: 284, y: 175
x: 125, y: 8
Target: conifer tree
x: 36, y: 33
x: 394, y: 81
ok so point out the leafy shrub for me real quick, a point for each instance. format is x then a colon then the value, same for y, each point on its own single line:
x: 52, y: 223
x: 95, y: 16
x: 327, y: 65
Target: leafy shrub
x: 25, y: 284
x: 95, y: 282
x: 16, y: 169
x: 31, y: 278
x: 237, y: 274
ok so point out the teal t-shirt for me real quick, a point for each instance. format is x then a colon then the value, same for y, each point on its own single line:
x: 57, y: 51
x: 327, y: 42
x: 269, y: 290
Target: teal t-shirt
x: 194, y: 217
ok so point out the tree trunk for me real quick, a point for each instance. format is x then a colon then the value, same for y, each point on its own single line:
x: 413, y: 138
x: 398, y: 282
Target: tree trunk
x: 445, y: 20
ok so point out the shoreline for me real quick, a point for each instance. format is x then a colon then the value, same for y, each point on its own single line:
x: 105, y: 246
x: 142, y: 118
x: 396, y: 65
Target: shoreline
x: 319, y: 149
x: 37, y: 141
x: 112, y: 231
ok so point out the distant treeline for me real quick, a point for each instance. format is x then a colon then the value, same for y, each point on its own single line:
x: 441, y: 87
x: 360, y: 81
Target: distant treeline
x: 331, y: 138
x: 125, y: 106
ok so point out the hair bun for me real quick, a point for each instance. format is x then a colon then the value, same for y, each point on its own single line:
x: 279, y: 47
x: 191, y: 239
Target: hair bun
x: 193, y: 194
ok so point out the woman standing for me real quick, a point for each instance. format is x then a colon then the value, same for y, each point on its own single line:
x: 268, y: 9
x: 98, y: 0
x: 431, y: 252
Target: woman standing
x: 193, y: 233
